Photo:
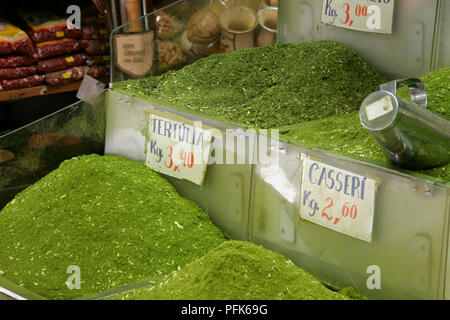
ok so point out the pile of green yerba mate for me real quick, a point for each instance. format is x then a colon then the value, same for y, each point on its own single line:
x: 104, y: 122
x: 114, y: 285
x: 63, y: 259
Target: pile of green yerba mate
x: 116, y: 220
x: 239, y: 270
x: 268, y: 87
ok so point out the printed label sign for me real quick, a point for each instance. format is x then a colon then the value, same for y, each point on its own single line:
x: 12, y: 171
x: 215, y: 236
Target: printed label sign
x: 337, y: 199
x: 135, y: 53
x: 178, y: 149
x: 363, y: 15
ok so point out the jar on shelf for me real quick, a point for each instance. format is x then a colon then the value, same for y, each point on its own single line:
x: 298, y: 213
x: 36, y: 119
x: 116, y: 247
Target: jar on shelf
x: 268, y: 21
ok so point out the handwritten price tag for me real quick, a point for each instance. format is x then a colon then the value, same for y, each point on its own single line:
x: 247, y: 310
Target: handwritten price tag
x: 337, y: 199
x: 178, y: 149
x: 363, y: 15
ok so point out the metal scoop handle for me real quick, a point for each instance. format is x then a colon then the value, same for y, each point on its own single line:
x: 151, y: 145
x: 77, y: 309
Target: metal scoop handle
x: 416, y: 89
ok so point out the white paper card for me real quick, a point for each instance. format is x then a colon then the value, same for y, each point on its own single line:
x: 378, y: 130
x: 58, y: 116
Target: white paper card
x: 337, y: 199
x: 178, y: 149
x: 369, y: 16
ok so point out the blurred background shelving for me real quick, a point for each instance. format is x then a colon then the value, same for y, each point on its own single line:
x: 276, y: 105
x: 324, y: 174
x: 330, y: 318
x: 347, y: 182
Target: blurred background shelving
x: 21, y: 106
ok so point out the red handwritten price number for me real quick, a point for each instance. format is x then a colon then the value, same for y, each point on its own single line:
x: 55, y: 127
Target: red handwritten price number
x: 352, y: 211
x: 346, y: 211
x: 186, y: 158
x: 359, y: 11
x: 324, y: 212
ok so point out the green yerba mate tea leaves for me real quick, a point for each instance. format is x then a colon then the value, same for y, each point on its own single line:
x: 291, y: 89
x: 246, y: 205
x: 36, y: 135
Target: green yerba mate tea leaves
x: 114, y: 219
x: 437, y: 84
x: 267, y: 87
x: 239, y: 270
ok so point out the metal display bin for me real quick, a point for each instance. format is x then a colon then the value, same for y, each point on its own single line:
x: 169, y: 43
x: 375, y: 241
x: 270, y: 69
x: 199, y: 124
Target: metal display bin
x: 260, y: 203
x: 225, y: 194
x: 410, y: 232
x: 407, y: 52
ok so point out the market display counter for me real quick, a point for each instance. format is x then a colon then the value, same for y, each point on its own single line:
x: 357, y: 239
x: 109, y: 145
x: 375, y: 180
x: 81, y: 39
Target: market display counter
x: 348, y: 221
x: 406, y: 238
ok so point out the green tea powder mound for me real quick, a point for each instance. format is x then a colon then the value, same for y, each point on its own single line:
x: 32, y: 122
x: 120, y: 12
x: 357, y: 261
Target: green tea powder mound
x: 279, y: 85
x: 114, y: 219
x: 342, y: 135
x: 437, y: 85
x: 238, y: 270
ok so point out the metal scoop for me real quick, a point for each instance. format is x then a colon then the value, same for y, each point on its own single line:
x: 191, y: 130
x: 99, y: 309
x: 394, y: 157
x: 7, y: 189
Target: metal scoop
x: 411, y: 136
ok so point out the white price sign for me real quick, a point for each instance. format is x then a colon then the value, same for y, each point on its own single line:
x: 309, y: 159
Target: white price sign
x: 337, y: 199
x: 363, y: 15
x: 178, y: 149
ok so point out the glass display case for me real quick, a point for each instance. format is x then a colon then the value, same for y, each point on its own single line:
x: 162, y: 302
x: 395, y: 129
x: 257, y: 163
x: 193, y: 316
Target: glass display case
x: 29, y: 153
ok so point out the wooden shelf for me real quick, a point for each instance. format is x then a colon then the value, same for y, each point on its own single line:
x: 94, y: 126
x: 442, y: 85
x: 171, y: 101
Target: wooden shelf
x: 38, y: 91
x: 43, y: 90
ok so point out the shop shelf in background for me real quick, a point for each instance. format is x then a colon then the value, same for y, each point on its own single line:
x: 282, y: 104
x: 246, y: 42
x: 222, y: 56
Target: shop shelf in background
x: 184, y: 31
